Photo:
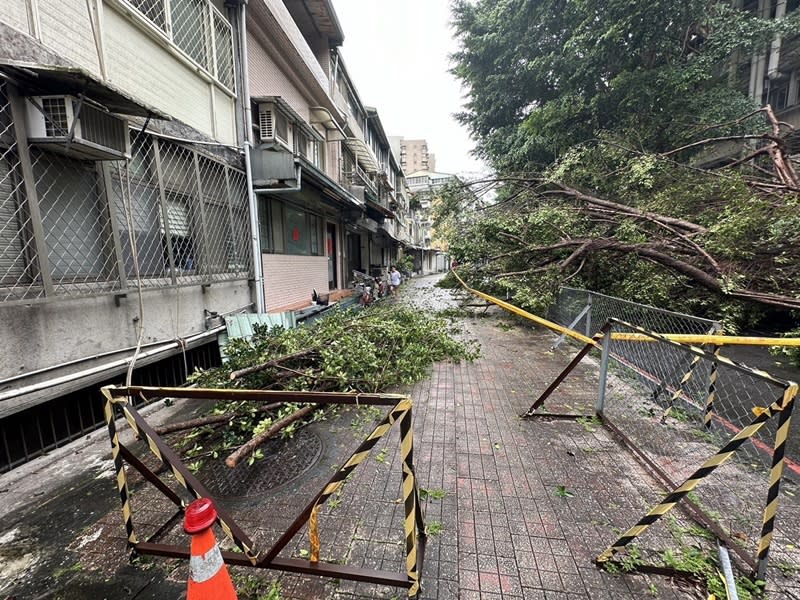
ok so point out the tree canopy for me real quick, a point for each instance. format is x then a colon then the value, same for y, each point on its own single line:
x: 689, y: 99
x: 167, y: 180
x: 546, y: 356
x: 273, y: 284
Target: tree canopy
x: 628, y: 158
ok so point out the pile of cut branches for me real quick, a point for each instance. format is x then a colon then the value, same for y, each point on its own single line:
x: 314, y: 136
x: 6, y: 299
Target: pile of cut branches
x: 367, y: 351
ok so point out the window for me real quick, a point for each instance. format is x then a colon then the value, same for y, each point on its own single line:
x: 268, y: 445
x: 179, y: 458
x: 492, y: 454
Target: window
x: 145, y: 211
x: 286, y: 229
x: 74, y: 218
x: 198, y: 29
x: 179, y: 223
x: 154, y: 10
x: 190, y: 29
x: 13, y: 261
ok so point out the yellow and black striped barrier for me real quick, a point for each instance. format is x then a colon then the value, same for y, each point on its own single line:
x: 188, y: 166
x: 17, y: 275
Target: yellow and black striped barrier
x: 775, y: 478
x: 400, y: 411
x: 784, y: 403
x: 181, y: 473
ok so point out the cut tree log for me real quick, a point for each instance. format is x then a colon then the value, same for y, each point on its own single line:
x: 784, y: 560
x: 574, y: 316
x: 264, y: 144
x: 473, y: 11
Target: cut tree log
x: 211, y: 420
x: 248, y: 448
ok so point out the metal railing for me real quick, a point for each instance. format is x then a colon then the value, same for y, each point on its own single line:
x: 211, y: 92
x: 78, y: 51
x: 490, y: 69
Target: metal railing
x: 71, y: 227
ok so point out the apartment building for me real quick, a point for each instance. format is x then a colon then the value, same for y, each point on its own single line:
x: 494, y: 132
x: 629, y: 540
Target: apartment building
x: 414, y: 155
x: 430, y: 256
x: 323, y: 171
x: 770, y: 76
x: 165, y: 163
x: 123, y: 203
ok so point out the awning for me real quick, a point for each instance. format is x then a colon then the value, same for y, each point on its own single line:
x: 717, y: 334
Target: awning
x: 362, y: 153
x: 385, y: 212
x: 322, y: 116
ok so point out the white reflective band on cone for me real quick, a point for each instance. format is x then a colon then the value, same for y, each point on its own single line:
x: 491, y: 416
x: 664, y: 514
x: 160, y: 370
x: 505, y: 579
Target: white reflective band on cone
x: 203, y: 568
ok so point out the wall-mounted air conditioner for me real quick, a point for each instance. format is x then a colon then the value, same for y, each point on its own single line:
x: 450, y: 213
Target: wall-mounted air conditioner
x: 274, y: 126
x: 67, y: 125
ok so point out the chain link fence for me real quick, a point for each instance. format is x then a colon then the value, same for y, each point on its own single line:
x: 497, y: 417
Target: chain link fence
x: 676, y: 408
x: 72, y: 227
x: 586, y: 311
x: 678, y: 412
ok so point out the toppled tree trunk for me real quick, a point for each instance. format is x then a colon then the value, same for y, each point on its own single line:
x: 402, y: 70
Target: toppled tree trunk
x: 248, y: 448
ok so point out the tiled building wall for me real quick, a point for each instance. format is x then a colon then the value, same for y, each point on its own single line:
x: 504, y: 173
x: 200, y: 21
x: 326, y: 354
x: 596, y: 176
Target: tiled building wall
x: 266, y: 79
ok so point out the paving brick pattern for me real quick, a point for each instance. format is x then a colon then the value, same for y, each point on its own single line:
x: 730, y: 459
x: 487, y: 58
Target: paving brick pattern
x: 520, y: 508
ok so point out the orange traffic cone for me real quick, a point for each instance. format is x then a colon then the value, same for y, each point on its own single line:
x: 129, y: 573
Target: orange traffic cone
x: 208, y: 576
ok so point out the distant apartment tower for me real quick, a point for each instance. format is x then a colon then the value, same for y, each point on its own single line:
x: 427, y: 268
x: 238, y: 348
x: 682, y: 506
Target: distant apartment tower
x: 414, y: 155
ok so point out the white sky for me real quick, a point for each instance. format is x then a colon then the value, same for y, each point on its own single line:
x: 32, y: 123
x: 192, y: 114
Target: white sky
x: 396, y: 52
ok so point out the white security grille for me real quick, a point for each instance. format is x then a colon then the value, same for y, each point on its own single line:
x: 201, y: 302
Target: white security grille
x: 198, y: 29
x: 190, y: 30
x: 186, y: 212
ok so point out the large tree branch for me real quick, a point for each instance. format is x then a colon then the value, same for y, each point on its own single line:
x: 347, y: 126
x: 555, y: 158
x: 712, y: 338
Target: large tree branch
x: 565, y: 190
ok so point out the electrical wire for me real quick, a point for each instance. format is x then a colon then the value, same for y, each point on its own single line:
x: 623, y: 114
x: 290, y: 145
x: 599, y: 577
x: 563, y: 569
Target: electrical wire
x: 126, y: 202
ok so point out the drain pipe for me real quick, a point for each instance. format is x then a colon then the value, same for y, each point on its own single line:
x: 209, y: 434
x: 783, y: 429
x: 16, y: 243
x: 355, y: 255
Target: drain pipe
x: 730, y: 582
x: 775, y: 49
x: 258, y: 266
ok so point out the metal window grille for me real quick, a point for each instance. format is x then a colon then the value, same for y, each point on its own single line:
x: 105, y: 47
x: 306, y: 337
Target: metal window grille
x: 66, y: 231
x: 190, y: 30
x: 154, y: 10
x: 198, y: 29
x: 223, y: 50
x: 19, y: 271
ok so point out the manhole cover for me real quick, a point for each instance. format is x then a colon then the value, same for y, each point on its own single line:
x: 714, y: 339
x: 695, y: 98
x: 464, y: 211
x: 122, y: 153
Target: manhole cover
x: 284, y: 461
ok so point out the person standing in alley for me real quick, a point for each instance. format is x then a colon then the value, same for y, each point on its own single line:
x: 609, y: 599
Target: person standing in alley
x: 394, y: 280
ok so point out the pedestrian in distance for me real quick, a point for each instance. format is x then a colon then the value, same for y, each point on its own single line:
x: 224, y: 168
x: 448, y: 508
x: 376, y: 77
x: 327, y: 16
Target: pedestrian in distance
x: 394, y: 281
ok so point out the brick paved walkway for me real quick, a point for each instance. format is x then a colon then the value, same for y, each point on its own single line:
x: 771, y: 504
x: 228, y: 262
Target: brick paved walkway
x: 516, y: 509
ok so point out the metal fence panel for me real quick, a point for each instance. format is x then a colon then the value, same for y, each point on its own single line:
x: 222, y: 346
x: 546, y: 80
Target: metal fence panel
x: 69, y: 227
x: 679, y: 408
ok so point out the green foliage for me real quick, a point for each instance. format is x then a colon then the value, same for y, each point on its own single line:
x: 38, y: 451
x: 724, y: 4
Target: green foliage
x: 431, y: 494
x: 563, y: 492
x: 367, y: 351
x: 545, y: 75
x: 405, y: 264
x: 593, y: 95
x: 434, y: 528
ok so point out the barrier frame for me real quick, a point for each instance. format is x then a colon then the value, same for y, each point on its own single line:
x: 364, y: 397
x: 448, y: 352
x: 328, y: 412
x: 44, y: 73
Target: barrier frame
x: 118, y: 399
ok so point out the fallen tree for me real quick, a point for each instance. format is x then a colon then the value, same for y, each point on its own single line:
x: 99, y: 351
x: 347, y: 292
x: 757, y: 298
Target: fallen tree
x: 645, y: 227
x: 367, y: 351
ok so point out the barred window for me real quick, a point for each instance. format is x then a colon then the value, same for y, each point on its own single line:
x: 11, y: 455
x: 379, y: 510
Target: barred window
x: 198, y: 29
x: 74, y: 218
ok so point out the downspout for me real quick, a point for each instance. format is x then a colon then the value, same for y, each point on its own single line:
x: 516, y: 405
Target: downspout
x: 775, y: 49
x: 258, y: 266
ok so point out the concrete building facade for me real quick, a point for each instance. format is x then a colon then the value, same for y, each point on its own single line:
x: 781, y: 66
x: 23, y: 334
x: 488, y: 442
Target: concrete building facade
x: 165, y: 163
x: 123, y: 195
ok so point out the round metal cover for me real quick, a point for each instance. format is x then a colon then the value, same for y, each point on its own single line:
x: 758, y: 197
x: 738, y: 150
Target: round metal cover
x: 284, y: 461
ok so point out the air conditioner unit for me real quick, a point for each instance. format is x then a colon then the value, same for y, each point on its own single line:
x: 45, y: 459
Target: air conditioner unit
x: 274, y: 126
x: 357, y: 191
x: 89, y: 133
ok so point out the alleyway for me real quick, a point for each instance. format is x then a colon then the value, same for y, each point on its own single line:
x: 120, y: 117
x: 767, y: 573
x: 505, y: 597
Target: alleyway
x: 516, y: 509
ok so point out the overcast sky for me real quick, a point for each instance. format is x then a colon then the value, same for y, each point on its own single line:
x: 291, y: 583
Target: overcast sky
x: 397, y: 54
